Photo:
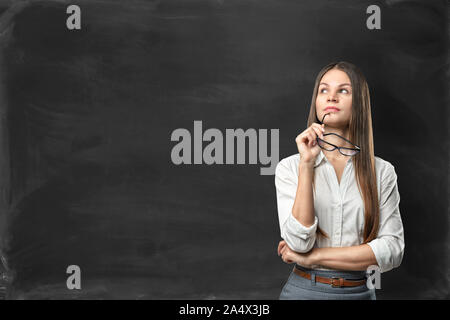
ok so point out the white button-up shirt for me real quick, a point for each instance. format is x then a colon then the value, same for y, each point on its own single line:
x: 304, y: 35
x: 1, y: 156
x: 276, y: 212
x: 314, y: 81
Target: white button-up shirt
x: 339, y: 210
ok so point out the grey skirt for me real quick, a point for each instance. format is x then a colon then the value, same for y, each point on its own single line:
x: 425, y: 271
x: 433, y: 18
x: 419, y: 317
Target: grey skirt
x: 299, y: 288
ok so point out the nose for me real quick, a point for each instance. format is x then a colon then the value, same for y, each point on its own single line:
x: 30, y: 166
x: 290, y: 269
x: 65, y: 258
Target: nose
x: 331, y: 98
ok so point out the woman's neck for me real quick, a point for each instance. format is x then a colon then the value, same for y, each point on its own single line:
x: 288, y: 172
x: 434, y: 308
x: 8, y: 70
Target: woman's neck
x: 343, y: 132
x: 335, y: 156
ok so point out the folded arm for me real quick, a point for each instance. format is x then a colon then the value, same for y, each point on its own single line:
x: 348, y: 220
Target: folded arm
x: 385, y: 251
x: 355, y: 258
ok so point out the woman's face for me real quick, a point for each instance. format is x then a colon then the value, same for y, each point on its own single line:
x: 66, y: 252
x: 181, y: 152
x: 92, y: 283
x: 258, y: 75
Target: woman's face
x: 335, y: 90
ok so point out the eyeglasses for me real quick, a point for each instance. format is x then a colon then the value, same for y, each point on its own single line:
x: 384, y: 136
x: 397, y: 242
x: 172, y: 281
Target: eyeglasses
x: 330, y: 147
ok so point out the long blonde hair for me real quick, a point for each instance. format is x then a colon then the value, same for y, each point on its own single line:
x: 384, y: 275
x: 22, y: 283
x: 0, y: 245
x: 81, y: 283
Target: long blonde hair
x: 360, y: 133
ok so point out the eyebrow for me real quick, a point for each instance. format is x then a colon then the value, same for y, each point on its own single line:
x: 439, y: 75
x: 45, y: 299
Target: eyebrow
x: 341, y: 85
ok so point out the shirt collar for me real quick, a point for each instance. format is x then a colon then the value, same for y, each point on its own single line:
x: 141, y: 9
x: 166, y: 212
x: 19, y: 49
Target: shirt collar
x: 320, y: 157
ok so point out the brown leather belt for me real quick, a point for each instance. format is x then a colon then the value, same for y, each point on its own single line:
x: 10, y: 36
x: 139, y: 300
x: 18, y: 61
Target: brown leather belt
x: 334, y: 282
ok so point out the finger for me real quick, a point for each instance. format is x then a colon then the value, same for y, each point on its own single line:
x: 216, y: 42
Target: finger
x: 299, y: 138
x: 318, y: 131
x: 311, y: 138
x: 304, y: 137
x: 280, y: 246
x: 288, y: 258
x: 321, y: 127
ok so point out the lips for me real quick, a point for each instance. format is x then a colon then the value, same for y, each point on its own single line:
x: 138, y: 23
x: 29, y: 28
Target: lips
x: 331, y: 108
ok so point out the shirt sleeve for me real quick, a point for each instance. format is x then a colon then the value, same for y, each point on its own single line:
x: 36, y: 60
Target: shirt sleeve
x: 389, y: 245
x: 298, y: 237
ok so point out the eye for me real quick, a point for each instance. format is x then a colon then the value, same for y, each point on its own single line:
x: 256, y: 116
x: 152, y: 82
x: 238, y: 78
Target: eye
x: 346, y: 91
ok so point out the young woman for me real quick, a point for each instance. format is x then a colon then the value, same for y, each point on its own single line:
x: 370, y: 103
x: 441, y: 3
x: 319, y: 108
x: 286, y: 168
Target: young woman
x: 338, y: 204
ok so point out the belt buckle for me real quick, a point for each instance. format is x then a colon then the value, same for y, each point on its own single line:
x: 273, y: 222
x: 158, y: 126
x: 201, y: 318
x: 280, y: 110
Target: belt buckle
x: 338, y: 285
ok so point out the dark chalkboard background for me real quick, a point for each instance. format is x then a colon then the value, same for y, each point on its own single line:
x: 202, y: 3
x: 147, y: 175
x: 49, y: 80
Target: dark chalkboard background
x: 86, y: 118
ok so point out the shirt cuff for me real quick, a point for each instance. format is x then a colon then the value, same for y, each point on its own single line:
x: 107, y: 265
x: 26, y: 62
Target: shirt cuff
x: 382, y: 254
x: 295, y: 227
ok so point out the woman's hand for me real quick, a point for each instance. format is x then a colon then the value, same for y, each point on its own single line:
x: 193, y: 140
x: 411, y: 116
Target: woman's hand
x: 306, y: 142
x: 289, y: 256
